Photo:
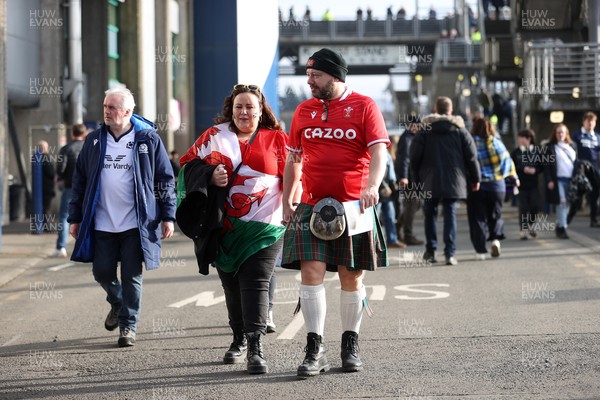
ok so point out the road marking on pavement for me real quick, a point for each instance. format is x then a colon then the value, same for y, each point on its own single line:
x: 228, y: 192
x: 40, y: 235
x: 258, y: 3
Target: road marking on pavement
x: 378, y: 292
x: 293, y: 327
x: 61, y: 266
x: 204, y: 299
x: 411, y: 288
x: 12, y: 340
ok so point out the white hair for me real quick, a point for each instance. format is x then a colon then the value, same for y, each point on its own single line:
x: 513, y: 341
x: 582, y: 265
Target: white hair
x: 127, y: 100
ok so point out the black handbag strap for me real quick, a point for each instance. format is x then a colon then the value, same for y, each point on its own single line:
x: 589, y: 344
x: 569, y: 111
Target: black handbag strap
x: 235, y: 172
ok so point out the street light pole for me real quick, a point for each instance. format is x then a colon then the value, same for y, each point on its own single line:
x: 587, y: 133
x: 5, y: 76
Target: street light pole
x: 75, y: 67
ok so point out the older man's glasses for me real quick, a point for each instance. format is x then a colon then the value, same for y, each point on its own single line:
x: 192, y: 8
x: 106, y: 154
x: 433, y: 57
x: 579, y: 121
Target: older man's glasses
x: 241, y: 86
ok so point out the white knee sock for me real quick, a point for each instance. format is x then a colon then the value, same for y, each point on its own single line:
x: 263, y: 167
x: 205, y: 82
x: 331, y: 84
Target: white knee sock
x: 351, y: 309
x: 314, y: 308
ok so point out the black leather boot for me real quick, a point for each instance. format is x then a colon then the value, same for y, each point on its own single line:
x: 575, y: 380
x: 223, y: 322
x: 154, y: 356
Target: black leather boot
x: 237, y: 350
x: 315, y: 360
x: 350, y: 360
x: 256, y: 360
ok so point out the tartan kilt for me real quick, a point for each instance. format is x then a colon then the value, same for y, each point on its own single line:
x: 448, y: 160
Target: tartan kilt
x: 365, y: 251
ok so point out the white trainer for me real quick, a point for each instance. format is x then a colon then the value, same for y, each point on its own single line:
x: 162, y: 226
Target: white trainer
x: 495, y: 248
x: 60, y: 253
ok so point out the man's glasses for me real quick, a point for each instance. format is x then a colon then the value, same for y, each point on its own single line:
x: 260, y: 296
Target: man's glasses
x: 241, y: 86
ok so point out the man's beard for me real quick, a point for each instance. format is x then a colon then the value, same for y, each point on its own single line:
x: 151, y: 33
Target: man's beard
x: 326, y: 93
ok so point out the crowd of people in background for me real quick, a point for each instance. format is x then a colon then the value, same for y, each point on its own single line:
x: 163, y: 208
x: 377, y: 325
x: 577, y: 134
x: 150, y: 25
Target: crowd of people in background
x: 542, y: 174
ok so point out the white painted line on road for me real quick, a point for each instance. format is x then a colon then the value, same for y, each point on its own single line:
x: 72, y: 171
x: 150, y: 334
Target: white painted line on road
x: 412, y: 288
x: 12, y: 340
x: 61, y: 266
x: 204, y: 299
x: 293, y: 327
x: 378, y: 292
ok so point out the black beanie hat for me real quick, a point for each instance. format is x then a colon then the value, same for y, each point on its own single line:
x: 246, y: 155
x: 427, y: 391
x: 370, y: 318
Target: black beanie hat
x: 329, y: 61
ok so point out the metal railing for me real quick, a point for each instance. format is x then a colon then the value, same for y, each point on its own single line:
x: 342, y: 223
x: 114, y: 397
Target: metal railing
x: 450, y: 52
x: 556, y: 68
x: 364, y: 29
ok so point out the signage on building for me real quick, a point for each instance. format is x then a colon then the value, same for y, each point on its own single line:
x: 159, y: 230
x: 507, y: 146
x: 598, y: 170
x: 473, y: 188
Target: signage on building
x: 362, y: 54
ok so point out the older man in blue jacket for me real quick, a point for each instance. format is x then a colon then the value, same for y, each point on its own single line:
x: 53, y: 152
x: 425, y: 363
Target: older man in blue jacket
x: 123, y: 204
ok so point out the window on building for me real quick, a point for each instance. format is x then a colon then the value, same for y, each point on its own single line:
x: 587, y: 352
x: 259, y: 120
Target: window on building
x: 114, y: 66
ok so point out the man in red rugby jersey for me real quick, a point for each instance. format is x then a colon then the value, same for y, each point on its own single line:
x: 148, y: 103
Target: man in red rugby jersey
x: 338, y: 146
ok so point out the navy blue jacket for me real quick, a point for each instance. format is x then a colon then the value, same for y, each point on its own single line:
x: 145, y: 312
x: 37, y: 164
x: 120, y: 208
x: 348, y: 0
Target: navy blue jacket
x: 588, y: 146
x: 402, y: 165
x: 154, y: 190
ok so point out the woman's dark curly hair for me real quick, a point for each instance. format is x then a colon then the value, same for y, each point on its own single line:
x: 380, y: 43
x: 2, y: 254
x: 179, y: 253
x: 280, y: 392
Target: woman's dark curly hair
x: 266, y: 121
